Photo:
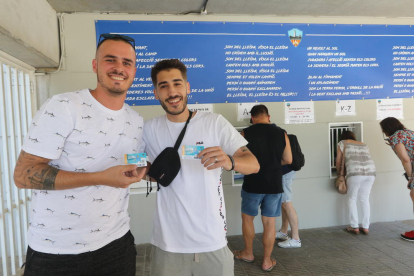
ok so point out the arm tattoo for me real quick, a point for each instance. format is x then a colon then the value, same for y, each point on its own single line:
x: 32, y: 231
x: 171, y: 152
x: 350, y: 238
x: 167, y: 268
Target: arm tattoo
x: 33, y: 172
x: 44, y: 179
x: 244, y: 149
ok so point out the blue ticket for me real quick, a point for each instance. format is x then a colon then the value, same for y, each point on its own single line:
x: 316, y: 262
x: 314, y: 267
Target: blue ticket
x: 139, y: 159
x: 191, y: 152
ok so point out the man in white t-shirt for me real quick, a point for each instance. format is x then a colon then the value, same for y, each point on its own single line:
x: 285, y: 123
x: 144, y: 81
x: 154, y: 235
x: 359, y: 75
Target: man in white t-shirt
x: 189, y: 234
x: 72, y: 158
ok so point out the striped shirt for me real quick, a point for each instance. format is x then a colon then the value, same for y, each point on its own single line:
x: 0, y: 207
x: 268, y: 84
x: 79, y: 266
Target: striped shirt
x: 357, y: 159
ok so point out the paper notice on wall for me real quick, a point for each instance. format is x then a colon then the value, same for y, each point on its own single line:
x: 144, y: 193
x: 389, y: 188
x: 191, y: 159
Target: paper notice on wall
x: 390, y: 108
x: 345, y: 108
x: 243, y: 111
x: 201, y: 107
x: 299, y: 113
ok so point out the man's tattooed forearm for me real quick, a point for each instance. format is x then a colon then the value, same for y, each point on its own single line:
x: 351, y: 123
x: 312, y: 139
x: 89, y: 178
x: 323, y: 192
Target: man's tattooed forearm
x: 44, y: 179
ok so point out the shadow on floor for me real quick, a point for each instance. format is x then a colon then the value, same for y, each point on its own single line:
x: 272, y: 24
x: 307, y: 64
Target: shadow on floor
x: 326, y: 251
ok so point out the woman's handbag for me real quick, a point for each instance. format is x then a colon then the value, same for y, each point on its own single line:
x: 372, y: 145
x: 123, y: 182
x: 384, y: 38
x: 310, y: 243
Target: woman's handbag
x: 340, y: 182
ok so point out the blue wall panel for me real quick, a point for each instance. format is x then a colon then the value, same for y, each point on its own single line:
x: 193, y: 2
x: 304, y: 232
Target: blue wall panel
x: 268, y: 62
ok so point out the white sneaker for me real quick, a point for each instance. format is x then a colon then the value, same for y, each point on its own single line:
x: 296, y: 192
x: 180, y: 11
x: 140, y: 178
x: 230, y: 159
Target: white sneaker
x: 281, y: 236
x: 290, y: 243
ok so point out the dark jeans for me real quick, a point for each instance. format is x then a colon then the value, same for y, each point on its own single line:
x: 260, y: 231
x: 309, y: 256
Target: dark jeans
x: 117, y: 258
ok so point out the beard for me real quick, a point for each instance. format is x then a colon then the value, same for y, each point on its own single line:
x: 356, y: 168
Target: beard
x: 175, y: 112
x: 115, y: 91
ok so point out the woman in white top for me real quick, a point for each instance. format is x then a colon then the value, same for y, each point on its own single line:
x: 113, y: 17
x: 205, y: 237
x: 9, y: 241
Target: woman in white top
x: 360, y: 175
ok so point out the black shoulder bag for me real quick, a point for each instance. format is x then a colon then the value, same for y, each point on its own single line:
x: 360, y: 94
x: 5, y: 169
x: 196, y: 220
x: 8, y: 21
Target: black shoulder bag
x: 167, y: 164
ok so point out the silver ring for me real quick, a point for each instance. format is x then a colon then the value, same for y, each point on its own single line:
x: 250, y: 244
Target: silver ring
x: 216, y: 160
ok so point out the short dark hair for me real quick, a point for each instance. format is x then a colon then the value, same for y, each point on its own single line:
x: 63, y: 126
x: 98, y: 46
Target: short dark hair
x: 347, y: 135
x: 115, y: 37
x: 390, y: 125
x: 258, y: 110
x: 167, y: 64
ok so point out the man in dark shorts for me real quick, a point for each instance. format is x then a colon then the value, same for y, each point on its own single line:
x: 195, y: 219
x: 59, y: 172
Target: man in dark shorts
x: 270, y: 144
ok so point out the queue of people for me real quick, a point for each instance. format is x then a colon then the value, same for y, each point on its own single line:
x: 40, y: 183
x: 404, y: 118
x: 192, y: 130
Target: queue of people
x: 72, y: 158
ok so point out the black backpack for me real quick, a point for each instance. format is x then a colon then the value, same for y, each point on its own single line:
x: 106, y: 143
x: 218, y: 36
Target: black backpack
x: 298, y: 159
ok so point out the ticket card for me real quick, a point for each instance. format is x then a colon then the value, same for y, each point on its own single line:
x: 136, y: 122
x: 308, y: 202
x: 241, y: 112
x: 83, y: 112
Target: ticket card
x: 139, y: 159
x: 191, y: 152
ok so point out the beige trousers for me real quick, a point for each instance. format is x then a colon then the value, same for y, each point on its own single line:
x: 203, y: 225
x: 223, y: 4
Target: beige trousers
x: 216, y: 263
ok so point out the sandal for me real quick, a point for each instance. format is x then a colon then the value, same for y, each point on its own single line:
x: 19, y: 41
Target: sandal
x: 237, y: 256
x: 271, y: 267
x: 352, y: 230
x: 365, y: 231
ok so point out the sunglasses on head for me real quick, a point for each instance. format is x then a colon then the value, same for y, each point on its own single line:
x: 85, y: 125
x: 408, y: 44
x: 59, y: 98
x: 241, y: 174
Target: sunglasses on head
x: 104, y: 37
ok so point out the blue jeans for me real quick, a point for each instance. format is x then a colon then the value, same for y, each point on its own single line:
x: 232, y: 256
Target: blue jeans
x: 270, y: 204
x: 117, y: 258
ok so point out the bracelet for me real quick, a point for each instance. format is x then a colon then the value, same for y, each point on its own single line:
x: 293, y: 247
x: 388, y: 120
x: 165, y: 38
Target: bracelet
x: 232, y: 163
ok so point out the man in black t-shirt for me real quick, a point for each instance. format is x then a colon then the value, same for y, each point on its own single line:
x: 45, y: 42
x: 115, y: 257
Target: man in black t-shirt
x: 270, y: 144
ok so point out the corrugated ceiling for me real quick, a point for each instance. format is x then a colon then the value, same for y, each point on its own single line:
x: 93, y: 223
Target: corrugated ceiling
x: 363, y: 8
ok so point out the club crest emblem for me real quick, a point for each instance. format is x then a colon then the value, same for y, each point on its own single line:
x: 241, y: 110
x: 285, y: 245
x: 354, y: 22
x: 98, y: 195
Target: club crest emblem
x: 295, y: 36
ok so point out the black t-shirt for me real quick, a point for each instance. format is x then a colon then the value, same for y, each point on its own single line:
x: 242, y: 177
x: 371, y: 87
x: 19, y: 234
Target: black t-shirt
x: 267, y: 143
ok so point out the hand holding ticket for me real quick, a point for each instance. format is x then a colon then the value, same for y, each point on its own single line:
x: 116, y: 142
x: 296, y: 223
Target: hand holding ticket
x: 191, y: 152
x: 139, y: 159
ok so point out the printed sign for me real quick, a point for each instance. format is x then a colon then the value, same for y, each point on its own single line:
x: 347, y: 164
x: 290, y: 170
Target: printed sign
x: 345, y: 108
x: 201, y: 107
x: 243, y: 111
x: 299, y: 113
x: 233, y: 62
x: 390, y: 108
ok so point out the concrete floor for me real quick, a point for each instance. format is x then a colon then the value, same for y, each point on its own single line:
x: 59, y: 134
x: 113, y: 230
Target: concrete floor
x: 326, y: 251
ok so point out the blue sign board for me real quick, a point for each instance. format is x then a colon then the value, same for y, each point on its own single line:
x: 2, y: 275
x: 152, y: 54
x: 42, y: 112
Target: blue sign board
x: 267, y: 62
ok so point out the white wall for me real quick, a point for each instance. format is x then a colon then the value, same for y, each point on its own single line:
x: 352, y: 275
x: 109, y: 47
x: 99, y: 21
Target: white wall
x: 29, y: 32
x: 317, y: 203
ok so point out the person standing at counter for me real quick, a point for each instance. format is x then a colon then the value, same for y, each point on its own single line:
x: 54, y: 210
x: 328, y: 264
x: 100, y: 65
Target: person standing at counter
x: 360, y: 176
x: 270, y: 144
x: 289, y: 215
x: 401, y: 141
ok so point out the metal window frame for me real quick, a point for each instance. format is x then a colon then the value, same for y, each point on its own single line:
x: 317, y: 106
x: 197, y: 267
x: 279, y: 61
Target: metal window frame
x: 17, y: 100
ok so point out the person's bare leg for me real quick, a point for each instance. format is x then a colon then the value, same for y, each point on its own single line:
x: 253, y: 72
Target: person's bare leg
x: 248, y: 236
x: 292, y: 217
x: 412, y: 197
x: 269, y: 233
x: 285, y: 221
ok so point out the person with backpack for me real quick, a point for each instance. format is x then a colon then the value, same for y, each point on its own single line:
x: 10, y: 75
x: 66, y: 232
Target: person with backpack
x: 270, y: 144
x: 289, y: 215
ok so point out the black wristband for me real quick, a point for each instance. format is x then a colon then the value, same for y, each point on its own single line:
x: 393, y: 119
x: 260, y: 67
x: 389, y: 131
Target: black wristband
x: 232, y: 163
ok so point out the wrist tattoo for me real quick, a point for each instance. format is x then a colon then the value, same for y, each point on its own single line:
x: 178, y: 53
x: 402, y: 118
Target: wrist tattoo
x: 44, y: 179
x: 244, y: 149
